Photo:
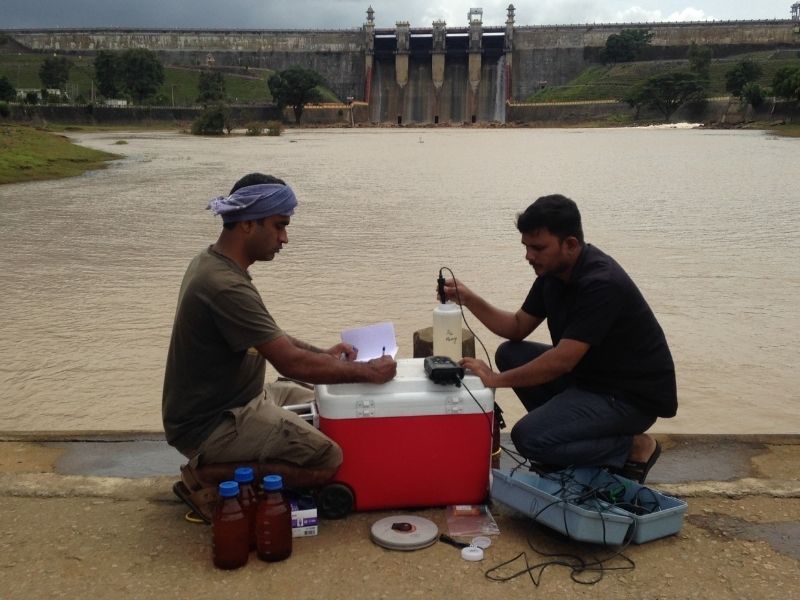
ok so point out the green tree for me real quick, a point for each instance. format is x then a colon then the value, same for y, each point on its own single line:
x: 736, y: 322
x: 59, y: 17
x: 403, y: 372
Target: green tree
x: 54, y: 72
x: 744, y: 72
x: 700, y: 60
x: 211, y: 87
x: 295, y: 87
x: 627, y: 45
x: 7, y: 91
x: 141, y: 73
x: 666, y: 93
x: 106, y: 73
x: 786, y: 83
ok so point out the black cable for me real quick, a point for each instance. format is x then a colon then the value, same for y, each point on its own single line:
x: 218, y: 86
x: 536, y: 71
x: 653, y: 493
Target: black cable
x: 581, y: 494
x: 488, y: 359
x: 575, y: 492
x: 464, y: 317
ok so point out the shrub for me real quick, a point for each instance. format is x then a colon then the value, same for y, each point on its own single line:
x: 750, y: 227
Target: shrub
x: 5, y: 112
x: 753, y: 94
x: 7, y: 91
x: 210, y: 122
x: 274, y: 128
x: 254, y: 128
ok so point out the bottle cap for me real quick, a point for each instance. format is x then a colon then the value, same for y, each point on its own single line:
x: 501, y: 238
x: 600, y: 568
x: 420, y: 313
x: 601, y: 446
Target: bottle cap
x: 228, y: 489
x: 243, y: 475
x: 472, y: 553
x: 481, y: 542
x: 273, y: 482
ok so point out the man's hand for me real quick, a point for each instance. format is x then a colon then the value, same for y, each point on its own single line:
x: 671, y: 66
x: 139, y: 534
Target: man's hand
x: 457, y: 292
x: 481, y: 369
x: 343, y: 351
x: 382, y: 369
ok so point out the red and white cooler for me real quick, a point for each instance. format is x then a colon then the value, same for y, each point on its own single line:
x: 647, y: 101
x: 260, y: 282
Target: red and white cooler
x: 410, y: 442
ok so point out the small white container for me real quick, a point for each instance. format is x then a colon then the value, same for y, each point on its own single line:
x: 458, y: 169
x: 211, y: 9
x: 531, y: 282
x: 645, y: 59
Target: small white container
x: 447, y: 331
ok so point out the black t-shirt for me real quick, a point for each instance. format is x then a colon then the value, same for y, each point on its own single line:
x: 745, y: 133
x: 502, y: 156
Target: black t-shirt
x: 601, y: 306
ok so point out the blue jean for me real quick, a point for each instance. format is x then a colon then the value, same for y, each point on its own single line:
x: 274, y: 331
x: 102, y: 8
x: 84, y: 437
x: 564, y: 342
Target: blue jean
x: 567, y: 425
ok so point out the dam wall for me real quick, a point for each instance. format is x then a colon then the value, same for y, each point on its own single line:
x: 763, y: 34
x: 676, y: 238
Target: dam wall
x: 338, y: 55
x: 421, y: 75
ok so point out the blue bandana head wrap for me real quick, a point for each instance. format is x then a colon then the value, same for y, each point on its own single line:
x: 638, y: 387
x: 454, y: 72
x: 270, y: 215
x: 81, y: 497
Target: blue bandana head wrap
x: 254, y: 202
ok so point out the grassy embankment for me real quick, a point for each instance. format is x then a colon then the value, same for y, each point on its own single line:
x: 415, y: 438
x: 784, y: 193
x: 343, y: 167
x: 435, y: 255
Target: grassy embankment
x: 28, y: 154
x: 179, y: 87
x: 601, y: 82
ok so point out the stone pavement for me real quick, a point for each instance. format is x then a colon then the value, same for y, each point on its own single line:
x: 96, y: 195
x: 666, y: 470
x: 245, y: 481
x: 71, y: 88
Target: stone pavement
x: 94, y: 514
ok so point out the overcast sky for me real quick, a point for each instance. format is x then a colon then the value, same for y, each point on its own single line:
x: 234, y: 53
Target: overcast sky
x: 337, y: 14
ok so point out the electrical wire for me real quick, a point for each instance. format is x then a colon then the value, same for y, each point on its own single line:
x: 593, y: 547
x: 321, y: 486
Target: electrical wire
x: 571, y: 491
x: 601, y: 495
x: 464, y: 317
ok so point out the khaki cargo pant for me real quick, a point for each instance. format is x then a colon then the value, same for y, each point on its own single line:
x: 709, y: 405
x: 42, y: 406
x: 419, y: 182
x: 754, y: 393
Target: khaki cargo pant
x: 262, y: 431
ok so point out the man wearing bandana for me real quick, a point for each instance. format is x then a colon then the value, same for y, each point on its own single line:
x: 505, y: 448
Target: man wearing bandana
x: 216, y: 409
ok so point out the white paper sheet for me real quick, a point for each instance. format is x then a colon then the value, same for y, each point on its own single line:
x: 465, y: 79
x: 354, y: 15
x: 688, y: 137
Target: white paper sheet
x: 372, y: 341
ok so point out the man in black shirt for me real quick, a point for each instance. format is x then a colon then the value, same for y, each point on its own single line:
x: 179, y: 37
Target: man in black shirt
x: 608, y: 374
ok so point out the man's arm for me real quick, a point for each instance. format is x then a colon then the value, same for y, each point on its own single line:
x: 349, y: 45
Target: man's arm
x: 340, y: 350
x: 514, y: 326
x: 303, y: 345
x: 318, y: 366
x: 548, y: 366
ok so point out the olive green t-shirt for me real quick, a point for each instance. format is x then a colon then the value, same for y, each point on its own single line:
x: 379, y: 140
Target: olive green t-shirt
x: 212, y: 365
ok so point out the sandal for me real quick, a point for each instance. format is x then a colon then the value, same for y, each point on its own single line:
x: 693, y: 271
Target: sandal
x: 637, y: 471
x: 201, y: 501
x: 190, y: 479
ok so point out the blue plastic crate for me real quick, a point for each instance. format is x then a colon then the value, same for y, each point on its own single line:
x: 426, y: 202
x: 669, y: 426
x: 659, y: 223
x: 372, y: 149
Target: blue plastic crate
x: 590, y: 505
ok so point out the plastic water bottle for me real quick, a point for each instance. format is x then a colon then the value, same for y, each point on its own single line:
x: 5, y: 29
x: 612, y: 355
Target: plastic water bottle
x: 247, y: 498
x: 273, y: 522
x: 230, y: 531
x: 447, y: 331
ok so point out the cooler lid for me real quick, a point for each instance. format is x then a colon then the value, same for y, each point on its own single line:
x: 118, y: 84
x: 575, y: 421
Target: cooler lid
x: 409, y: 393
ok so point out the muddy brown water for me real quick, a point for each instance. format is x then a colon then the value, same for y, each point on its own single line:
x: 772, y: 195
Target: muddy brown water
x: 706, y: 222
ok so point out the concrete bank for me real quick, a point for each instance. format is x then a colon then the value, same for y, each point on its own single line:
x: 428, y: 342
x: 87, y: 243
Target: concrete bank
x: 93, y: 514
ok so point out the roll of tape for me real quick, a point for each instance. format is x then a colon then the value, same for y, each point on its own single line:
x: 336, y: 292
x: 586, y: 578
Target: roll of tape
x: 472, y: 553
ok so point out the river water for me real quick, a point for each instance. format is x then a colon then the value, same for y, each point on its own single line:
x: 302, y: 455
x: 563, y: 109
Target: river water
x: 706, y: 222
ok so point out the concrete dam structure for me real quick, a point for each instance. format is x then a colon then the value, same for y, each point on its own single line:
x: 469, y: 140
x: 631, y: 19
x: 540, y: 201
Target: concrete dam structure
x: 410, y: 75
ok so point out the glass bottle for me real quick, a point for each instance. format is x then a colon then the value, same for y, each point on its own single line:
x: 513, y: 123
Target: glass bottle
x: 273, y: 522
x: 230, y: 531
x: 245, y: 477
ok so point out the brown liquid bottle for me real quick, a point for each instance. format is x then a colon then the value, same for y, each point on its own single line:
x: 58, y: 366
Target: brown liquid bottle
x: 247, y: 498
x: 230, y: 529
x: 273, y: 522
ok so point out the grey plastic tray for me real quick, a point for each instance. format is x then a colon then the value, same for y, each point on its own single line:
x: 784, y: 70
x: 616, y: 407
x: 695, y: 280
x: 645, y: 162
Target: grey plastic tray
x: 564, y: 501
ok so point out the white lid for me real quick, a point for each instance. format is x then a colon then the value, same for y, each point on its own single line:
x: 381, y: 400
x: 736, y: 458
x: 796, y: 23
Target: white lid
x: 481, y: 542
x: 410, y: 393
x: 472, y: 553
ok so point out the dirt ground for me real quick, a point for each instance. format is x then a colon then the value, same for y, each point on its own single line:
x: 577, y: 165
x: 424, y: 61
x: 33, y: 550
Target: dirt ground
x: 82, y: 536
